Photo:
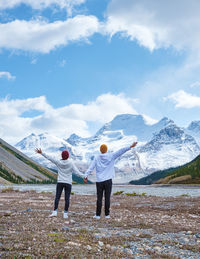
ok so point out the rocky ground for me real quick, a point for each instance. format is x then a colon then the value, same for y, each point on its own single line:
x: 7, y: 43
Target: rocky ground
x: 140, y: 227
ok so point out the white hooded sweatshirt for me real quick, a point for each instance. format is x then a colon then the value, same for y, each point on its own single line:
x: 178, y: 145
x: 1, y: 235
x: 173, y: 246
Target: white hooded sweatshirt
x: 104, y: 164
x: 65, y: 169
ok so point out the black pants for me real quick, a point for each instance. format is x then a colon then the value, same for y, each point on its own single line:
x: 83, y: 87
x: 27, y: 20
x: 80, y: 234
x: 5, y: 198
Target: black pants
x: 59, y: 189
x: 106, y: 188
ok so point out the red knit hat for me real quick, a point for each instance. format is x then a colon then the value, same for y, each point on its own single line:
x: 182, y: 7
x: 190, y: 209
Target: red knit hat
x: 65, y: 155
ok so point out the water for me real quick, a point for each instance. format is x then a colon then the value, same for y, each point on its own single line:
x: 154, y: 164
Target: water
x: 89, y: 189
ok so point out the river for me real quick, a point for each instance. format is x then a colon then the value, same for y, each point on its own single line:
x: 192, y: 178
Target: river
x: 89, y: 189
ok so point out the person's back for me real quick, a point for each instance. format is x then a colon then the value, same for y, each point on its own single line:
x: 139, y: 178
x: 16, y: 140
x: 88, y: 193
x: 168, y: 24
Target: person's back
x: 64, y: 181
x: 104, y: 167
x: 104, y: 163
x: 65, y: 168
x: 105, y: 172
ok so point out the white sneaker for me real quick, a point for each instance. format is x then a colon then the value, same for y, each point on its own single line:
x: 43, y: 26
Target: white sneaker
x: 107, y: 217
x: 96, y: 217
x: 65, y: 215
x: 53, y: 214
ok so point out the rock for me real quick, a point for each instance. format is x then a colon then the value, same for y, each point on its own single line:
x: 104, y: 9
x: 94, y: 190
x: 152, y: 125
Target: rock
x: 73, y: 243
x: 197, y: 235
x: 89, y: 247
x: 97, y: 236
x: 186, y: 240
x: 128, y: 251
x: 100, y: 243
x: 157, y: 248
x: 65, y: 228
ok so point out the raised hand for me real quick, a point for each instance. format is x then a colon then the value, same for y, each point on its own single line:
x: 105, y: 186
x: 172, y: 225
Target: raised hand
x: 38, y: 150
x: 133, y: 145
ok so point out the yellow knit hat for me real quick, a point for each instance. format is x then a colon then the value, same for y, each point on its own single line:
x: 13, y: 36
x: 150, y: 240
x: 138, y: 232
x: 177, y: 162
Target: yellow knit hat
x: 103, y: 148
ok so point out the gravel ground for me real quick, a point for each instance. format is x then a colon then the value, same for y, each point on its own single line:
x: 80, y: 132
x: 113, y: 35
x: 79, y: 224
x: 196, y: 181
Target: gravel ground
x: 140, y: 227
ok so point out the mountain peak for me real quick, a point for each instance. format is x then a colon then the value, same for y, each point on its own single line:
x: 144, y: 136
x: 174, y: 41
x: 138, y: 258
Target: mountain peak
x: 128, y: 123
x: 73, y: 139
x: 194, y: 126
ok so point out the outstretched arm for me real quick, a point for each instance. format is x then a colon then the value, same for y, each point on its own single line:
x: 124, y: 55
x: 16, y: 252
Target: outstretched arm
x: 38, y: 150
x: 90, y: 169
x: 76, y: 171
x: 50, y: 158
x: 133, y: 145
x: 123, y: 150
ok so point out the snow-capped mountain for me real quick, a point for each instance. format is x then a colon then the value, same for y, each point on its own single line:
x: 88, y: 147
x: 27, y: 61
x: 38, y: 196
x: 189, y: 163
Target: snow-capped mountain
x: 47, y: 142
x: 194, y: 130
x: 129, y: 125
x: 161, y: 145
x: 171, y: 147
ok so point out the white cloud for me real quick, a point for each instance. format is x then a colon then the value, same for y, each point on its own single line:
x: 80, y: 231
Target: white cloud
x: 103, y: 109
x: 41, y: 4
x: 41, y: 36
x: 60, y: 122
x: 195, y: 84
x: 156, y: 24
x: 7, y: 75
x: 184, y: 100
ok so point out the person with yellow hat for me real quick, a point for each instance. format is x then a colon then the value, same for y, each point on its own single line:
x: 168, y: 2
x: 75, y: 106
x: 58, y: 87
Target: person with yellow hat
x: 104, y: 165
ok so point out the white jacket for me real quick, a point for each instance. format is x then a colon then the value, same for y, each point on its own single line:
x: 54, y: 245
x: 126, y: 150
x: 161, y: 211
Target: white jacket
x: 104, y: 164
x: 65, y: 169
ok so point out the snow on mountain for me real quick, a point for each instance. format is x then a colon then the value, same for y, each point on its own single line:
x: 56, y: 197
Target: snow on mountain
x: 161, y: 145
x: 47, y: 142
x: 169, y: 148
x: 194, y: 130
x: 129, y: 125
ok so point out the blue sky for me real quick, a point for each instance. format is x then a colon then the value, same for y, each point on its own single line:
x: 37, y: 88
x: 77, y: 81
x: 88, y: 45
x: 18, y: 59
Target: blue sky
x: 69, y: 66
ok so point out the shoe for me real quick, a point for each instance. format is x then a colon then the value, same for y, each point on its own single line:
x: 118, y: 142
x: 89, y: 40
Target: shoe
x: 53, y: 214
x: 65, y: 215
x: 96, y: 217
x: 107, y: 217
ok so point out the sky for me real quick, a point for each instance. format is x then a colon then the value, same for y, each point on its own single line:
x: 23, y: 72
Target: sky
x: 70, y: 66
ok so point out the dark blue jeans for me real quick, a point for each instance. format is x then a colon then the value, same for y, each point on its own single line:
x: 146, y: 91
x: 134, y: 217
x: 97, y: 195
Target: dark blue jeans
x: 106, y: 189
x: 59, y: 188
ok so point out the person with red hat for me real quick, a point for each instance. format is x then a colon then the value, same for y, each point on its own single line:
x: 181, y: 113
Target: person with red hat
x: 64, y: 181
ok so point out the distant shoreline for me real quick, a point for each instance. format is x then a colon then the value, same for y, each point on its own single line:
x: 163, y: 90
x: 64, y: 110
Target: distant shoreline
x: 90, y: 189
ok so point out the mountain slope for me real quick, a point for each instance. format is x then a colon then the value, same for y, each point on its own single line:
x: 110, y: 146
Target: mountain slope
x: 16, y: 167
x: 168, y: 148
x: 133, y: 125
x: 47, y: 142
x: 161, y: 145
x: 194, y: 130
x: 186, y: 174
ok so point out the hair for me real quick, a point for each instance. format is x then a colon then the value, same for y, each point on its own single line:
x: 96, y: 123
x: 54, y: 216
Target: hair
x: 65, y: 155
x: 103, y: 148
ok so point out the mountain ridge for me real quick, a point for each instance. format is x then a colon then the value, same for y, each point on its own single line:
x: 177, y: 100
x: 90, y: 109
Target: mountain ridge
x: 16, y: 167
x: 164, y: 145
